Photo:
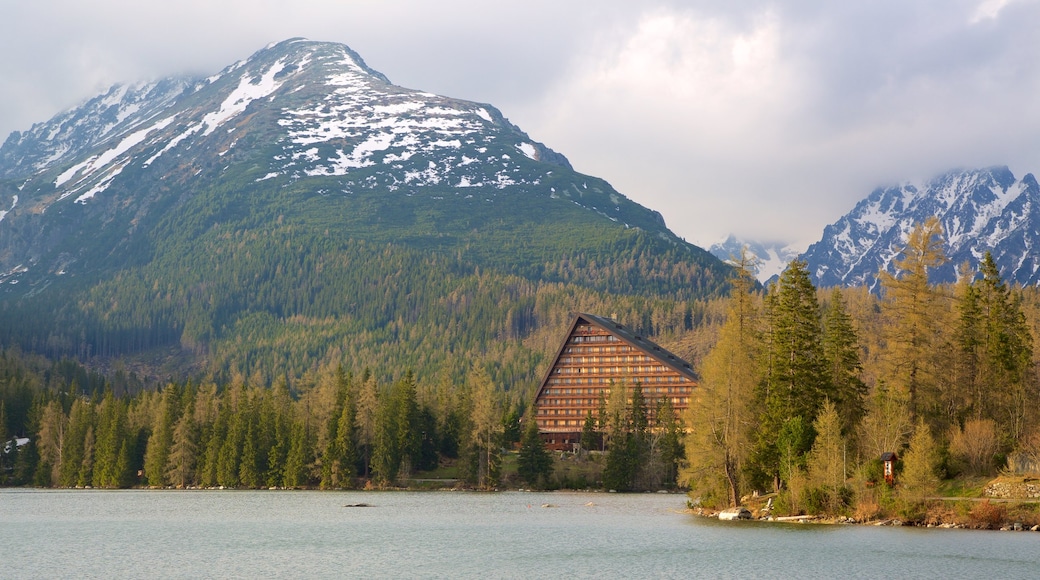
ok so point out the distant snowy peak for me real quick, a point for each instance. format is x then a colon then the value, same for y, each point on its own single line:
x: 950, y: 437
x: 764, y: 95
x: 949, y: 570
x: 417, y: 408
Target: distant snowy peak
x: 980, y: 210
x: 772, y: 257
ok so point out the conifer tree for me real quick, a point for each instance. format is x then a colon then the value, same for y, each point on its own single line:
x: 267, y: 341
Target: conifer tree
x: 368, y: 412
x: 911, y: 312
x: 53, y: 427
x: 842, y: 352
x: 826, y: 460
x: 5, y: 458
x: 397, y: 441
x: 627, y: 449
x: 997, y: 348
x: 795, y: 376
x: 666, y: 447
x: 534, y: 464
x: 86, y: 471
x: 920, y: 465
x: 180, y: 466
x: 299, y: 457
x: 588, y: 432
x: 111, y: 435
x: 487, y: 427
x: 157, y: 451
x: 75, y: 451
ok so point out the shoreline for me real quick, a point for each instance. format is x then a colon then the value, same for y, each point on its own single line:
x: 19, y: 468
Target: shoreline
x: 952, y: 521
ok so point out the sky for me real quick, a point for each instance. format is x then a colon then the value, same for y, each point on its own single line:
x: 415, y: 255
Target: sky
x: 767, y: 120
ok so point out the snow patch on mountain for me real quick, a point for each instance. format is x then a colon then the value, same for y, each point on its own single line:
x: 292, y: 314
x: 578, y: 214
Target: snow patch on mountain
x: 4, y: 212
x: 239, y: 99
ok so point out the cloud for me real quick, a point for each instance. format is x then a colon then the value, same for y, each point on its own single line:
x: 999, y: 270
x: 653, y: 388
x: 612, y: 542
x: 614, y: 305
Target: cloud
x: 771, y: 123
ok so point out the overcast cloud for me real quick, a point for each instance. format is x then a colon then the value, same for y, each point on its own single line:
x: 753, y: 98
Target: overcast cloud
x: 765, y: 119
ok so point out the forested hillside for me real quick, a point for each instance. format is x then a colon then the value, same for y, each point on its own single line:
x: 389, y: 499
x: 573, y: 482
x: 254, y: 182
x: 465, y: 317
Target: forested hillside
x: 801, y: 390
x: 805, y: 390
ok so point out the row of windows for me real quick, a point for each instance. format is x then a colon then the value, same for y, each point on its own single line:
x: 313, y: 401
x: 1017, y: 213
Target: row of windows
x: 622, y: 349
x: 594, y: 338
x: 608, y: 370
x: 605, y: 359
x: 605, y: 392
x: 651, y: 403
x: 560, y: 423
x: 606, y: 380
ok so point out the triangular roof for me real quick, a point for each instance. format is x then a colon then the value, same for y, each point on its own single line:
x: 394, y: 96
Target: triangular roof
x: 643, y: 344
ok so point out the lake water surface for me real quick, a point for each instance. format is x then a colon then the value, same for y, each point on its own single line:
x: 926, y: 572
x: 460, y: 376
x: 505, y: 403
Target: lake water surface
x: 301, y: 534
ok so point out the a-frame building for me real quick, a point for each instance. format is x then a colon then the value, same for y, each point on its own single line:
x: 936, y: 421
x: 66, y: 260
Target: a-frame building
x: 597, y: 354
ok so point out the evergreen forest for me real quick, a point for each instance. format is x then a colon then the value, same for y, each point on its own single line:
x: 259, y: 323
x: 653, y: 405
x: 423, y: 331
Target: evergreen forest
x: 801, y: 391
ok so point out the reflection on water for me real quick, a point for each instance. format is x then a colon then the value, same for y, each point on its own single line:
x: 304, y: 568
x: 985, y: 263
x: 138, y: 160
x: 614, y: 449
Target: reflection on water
x: 248, y: 534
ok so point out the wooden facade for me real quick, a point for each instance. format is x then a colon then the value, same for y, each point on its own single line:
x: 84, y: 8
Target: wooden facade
x: 597, y: 354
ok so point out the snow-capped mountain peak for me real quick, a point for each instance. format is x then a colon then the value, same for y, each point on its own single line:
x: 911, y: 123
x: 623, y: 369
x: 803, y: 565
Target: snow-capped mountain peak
x: 771, y: 257
x: 980, y: 210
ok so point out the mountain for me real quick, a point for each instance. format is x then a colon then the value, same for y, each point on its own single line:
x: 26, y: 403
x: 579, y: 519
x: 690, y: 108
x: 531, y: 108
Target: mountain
x: 980, y: 210
x: 772, y: 257
x: 297, y: 205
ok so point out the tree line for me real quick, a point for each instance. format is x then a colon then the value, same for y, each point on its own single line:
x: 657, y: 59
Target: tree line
x: 345, y: 431
x: 804, y: 390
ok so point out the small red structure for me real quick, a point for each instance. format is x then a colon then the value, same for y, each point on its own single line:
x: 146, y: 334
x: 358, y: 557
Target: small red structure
x: 889, y: 460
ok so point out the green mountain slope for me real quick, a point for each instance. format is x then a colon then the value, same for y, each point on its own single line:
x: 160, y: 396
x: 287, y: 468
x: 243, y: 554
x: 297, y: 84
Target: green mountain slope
x: 298, y: 210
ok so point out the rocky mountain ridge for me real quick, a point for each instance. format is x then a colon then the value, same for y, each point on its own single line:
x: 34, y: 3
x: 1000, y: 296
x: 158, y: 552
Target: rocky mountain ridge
x: 980, y: 210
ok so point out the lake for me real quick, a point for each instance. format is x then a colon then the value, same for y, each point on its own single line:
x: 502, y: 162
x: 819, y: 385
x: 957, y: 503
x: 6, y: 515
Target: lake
x: 294, y: 534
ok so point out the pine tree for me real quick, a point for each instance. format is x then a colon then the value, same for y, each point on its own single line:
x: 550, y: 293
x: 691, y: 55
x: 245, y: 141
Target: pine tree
x: 7, y: 458
x: 627, y: 447
x: 588, y: 432
x: 534, y: 464
x: 157, y: 451
x: 397, y: 441
x: 666, y: 447
x: 180, y: 465
x: 86, y: 471
x: 796, y: 379
x: 997, y: 347
x: 368, y: 412
x: 74, y: 451
x: 111, y: 437
x: 299, y: 457
x: 842, y: 352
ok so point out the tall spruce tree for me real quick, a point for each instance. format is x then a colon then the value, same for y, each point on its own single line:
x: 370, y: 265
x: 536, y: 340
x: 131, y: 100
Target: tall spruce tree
x: 841, y: 350
x: 795, y: 378
x: 397, y: 441
x: 157, y: 451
